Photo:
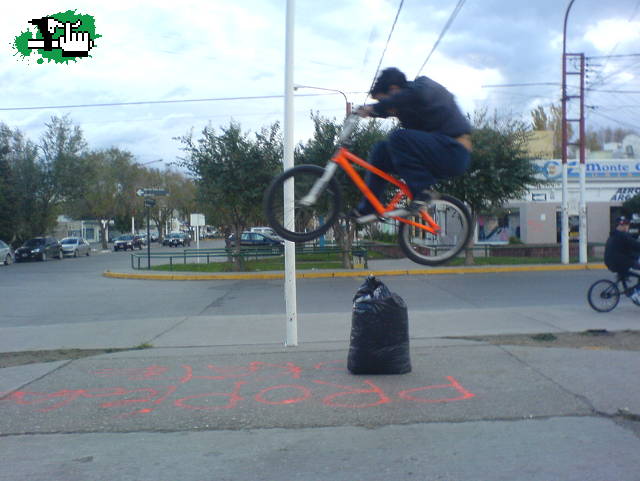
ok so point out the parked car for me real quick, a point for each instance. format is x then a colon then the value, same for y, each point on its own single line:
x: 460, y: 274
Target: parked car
x: 75, y: 246
x: 254, y: 239
x: 6, y: 254
x: 177, y: 239
x: 39, y: 248
x: 127, y: 241
x: 268, y: 231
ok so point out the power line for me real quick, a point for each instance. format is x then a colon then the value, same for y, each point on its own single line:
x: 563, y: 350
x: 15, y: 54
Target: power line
x: 452, y: 17
x: 155, y: 102
x: 393, y: 26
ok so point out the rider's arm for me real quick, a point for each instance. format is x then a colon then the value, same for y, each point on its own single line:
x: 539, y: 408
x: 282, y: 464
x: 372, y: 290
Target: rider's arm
x: 403, y: 100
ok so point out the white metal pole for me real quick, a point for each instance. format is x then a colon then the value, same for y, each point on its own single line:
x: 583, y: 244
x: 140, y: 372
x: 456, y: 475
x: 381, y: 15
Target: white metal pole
x: 565, y: 215
x: 583, y: 213
x: 133, y: 225
x: 289, y: 247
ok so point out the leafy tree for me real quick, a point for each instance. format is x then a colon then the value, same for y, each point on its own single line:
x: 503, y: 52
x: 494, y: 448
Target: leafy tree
x: 232, y: 170
x: 631, y: 206
x: 109, y: 190
x: 499, y: 171
x: 22, y: 217
x: 542, y: 119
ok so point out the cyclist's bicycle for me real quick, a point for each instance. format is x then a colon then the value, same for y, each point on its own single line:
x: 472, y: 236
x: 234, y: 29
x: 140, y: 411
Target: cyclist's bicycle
x: 431, y: 236
x: 604, y: 295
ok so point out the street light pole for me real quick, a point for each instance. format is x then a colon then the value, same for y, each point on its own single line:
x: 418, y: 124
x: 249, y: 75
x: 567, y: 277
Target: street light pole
x: 346, y: 101
x: 564, y: 236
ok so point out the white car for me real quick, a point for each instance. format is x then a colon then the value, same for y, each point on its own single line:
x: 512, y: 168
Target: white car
x: 75, y: 246
x: 6, y: 254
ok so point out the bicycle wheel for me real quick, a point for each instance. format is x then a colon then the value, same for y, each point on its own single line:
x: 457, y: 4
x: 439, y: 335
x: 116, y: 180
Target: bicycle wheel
x: 309, y: 221
x: 433, y: 249
x: 603, y: 295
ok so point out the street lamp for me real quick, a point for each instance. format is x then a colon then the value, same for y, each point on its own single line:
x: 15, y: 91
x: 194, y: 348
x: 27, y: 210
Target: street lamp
x: 347, y: 103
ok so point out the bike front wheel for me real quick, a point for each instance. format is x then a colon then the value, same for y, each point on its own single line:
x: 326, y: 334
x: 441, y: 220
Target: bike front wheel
x: 603, y: 295
x: 310, y: 221
x: 422, y: 247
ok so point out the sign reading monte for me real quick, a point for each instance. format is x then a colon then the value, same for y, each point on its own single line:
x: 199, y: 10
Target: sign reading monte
x: 150, y: 192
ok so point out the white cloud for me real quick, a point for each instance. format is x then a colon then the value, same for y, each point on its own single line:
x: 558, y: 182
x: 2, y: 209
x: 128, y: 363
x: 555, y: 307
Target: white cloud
x: 607, y: 34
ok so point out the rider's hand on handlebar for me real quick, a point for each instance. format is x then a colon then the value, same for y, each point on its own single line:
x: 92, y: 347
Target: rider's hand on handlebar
x: 364, y: 110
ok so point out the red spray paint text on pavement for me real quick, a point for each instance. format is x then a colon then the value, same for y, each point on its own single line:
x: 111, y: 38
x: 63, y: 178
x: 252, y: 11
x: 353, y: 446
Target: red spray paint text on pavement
x: 230, y: 387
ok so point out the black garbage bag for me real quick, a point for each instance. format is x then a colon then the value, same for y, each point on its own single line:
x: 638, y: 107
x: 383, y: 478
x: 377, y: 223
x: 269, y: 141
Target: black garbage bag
x: 379, y: 331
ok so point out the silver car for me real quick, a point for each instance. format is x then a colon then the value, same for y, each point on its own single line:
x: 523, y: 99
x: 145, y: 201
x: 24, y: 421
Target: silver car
x: 75, y: 246
x: 6, y: 254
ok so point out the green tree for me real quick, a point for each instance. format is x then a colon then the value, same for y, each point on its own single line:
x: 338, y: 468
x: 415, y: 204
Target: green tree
x: 232, y: 169
x: 22, y: 176
x: 631, y: 206
x: 551, y: 119
x: 500, y: 170
x: 109, y: 177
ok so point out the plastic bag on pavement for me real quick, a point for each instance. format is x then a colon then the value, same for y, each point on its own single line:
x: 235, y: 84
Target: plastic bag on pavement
x: 379, y: 341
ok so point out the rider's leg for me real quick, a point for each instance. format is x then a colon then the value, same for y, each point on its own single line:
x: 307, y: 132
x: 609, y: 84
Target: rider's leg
x: 380, y: 158
x: 421, y: 158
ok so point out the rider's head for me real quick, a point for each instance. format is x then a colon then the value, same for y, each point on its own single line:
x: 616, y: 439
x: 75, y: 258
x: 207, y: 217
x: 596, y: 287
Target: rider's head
x: 622, y: 223
x: 388, y: 82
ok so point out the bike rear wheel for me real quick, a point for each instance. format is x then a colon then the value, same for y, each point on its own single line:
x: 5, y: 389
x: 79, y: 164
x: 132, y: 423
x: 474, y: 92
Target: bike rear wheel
x: 603, y: 295
x: 311, y: 221
x: 429, y: 249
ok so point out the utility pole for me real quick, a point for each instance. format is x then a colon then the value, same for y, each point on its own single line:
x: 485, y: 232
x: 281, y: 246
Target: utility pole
x: 574, y: 65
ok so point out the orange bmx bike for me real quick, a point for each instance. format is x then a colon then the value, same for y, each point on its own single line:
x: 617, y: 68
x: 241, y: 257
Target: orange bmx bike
x: 431, y: 236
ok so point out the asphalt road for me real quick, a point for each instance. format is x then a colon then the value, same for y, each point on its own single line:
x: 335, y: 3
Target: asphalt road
x: 73, y: 290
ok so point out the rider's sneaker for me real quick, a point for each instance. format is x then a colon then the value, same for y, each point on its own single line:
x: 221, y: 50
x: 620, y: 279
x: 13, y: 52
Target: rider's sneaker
x: 635, y: 297
x: 420, y: 201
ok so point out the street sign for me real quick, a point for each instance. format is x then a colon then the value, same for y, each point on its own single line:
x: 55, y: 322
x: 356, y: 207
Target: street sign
x: 197, y: 220
x: 151, y: 192
x: 149, y: 202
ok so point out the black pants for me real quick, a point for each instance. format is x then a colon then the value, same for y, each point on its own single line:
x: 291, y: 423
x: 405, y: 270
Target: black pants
x: 419, y: 158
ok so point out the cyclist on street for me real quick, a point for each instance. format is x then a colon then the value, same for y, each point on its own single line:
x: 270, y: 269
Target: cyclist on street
x: 621, y: 252
x: 434, y: 142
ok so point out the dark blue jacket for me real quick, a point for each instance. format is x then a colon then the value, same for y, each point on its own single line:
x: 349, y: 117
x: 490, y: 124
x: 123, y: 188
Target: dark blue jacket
x: 425, y: 105
x: 621, y: 252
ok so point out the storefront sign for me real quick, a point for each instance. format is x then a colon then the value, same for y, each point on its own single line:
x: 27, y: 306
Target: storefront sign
x: 625, y: 193
x: 599, y: 169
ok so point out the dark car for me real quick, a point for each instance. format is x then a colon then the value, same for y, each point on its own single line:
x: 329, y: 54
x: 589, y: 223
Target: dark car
x: 255, y: 239
x: 177, y: 239
x: 40, y: 248
x: 127, y: 241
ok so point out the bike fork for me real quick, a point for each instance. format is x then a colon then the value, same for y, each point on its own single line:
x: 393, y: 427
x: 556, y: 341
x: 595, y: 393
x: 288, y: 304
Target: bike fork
x: 319, y: 186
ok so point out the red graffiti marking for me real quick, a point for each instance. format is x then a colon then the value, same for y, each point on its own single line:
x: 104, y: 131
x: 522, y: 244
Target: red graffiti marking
x: 306, y: 394
x: 329, y: 400
x: 453, y: 384
x: 236, y: 386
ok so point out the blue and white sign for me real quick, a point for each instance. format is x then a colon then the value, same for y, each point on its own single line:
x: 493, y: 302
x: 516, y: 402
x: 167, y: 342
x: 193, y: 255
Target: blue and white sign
x: 596, y: 169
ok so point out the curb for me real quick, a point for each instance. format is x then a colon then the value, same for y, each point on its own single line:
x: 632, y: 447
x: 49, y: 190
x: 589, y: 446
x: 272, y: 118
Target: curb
x: 358, y: 273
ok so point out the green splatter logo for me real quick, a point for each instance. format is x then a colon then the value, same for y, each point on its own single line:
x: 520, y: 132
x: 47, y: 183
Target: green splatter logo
x: 60, y: 38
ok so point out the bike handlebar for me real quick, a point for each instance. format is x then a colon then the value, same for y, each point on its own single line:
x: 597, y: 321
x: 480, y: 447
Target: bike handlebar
x: 350, y: 124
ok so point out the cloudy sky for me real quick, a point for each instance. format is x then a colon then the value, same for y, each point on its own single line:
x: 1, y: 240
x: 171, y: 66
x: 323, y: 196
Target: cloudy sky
x: 164, y: 50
